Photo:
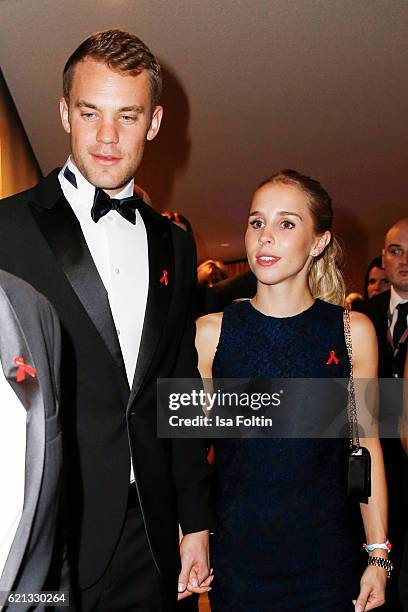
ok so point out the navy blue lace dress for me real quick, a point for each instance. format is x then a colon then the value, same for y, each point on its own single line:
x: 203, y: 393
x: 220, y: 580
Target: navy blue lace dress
x: 283, y: 538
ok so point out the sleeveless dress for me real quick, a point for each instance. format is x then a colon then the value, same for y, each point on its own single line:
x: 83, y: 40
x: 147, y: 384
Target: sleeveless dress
x: 283, y: 540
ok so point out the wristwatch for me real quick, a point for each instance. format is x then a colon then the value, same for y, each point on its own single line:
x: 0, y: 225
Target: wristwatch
x: 383, y: 563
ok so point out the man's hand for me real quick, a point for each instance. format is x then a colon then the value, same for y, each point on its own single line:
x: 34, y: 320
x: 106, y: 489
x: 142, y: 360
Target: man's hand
x: 195, y: 576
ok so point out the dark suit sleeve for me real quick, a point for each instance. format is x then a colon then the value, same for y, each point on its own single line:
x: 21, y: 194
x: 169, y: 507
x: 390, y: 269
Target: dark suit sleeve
x: 191, y: 470
x: 60, y: 575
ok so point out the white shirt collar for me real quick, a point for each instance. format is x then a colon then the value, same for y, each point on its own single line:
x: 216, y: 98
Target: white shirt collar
x: 395, y: 299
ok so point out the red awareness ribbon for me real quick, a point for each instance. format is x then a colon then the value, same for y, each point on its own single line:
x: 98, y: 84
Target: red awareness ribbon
x: 164, y: 279
x: 23, y: 369
x: 332, y: 358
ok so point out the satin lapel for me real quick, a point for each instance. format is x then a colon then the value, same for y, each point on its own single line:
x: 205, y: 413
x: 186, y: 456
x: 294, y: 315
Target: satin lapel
x: 13, y: 344
x: 161, y: 285
x: 63, y: 233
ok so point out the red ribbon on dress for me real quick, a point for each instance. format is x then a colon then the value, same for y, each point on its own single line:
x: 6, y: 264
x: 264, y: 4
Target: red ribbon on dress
x: 23, y: 369
x: 164, y: 278
x: 332, y: 358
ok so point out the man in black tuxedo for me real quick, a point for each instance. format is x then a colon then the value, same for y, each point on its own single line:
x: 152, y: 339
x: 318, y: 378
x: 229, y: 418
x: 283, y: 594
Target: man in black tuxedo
x: 121, y: 278
x: 389, y: 313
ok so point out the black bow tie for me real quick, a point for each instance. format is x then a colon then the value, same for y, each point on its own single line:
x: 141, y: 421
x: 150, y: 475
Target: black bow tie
x: 126, y: 207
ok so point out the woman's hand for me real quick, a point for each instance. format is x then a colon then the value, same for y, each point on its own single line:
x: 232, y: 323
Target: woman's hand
x: 372, y: 589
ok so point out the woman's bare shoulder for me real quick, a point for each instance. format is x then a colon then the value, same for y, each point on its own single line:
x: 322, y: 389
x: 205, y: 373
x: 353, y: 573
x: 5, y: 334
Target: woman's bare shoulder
x: 209, y: 324
x: 361, y: 326
x: 365, y: 347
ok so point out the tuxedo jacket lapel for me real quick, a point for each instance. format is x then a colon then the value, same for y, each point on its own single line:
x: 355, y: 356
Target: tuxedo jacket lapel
x: 161, y: 285
x: 64, y: 236
x: 13, y: 344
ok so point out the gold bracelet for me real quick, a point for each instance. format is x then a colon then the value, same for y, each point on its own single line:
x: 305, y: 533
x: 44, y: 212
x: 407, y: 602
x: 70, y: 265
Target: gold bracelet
x: 383, y: 563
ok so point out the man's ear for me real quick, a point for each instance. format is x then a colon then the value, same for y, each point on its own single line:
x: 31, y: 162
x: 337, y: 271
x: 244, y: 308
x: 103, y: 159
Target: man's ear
x: 64, y: 115
x: 155, y: 123
x: 321, y: 244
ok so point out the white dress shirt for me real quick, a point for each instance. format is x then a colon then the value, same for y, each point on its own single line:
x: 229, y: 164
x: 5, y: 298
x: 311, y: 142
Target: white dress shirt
x: 395, y: 299
x: 12, y: 465
x: 120, y: 252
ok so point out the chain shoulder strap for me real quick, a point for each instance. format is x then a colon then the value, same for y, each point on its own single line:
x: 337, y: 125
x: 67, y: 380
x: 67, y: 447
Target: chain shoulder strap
x: 351, y: 405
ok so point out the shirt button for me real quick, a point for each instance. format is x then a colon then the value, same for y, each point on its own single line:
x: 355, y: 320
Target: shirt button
x: 117, y: 271
x: 118, y: 332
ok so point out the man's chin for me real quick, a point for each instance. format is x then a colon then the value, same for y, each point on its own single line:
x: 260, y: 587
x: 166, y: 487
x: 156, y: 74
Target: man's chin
x: 401, y: 287
x: 103, y: 180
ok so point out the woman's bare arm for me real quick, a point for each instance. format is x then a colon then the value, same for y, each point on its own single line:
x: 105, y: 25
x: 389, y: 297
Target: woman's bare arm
x: 365, y: 363
x: 207, y: 336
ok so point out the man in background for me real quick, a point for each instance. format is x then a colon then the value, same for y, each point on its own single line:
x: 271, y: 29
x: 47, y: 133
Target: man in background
x: 389, y: 310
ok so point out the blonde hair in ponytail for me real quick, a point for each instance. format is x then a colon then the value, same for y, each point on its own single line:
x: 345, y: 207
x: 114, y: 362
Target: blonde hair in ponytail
x: 325, y: 278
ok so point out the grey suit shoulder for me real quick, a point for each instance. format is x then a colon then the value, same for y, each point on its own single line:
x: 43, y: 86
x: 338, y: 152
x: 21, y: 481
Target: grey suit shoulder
x: 30, y: 329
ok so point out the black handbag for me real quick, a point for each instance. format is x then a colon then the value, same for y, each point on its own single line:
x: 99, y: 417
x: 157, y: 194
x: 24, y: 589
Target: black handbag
x: 359, y: 475
x: 359, y: 459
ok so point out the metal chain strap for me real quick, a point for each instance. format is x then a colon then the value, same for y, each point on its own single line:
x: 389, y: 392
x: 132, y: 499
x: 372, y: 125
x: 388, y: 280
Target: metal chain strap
x: 351, y: 404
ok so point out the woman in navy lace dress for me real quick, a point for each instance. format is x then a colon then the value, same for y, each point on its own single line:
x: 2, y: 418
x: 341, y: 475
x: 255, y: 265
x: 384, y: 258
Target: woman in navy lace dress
x: 283, y: 540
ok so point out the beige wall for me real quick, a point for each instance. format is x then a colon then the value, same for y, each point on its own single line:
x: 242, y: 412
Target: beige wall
x: 19, y: 169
